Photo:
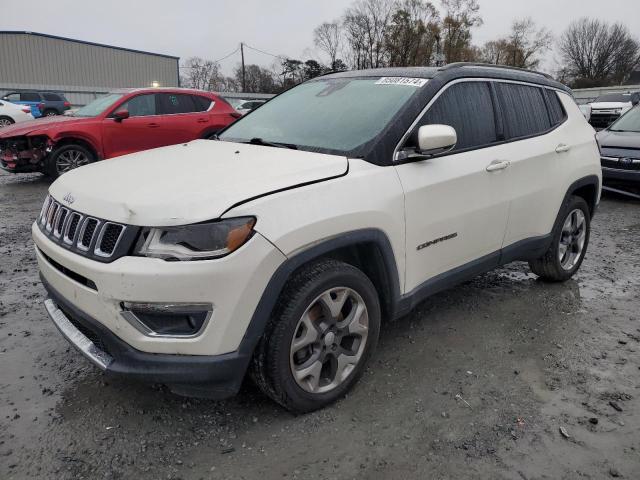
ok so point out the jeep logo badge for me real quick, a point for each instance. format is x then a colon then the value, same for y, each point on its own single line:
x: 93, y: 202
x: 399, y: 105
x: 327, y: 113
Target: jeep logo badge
x: 69, y: 198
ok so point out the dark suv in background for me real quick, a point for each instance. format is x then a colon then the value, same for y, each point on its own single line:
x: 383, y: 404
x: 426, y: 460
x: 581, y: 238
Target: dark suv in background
x: 45, y: 104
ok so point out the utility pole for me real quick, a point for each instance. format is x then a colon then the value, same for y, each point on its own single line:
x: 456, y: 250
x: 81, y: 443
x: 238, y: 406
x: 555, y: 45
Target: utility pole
x: 242, y: 55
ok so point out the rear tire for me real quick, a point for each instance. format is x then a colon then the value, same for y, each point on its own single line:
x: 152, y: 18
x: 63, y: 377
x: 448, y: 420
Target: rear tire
x: 49, y: 113
x: 322, y: 331
x: 6, y: 121
x: 568, y: 245
x: 67, y: 157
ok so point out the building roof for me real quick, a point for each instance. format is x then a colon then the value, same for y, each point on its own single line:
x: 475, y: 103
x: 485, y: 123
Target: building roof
x: 83, y: 42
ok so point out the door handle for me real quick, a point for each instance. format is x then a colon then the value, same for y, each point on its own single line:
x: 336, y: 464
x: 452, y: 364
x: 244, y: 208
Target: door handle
x: 562, y: 148
x: 203, y: 120
x: 153, y: 125
x: 497, y: 165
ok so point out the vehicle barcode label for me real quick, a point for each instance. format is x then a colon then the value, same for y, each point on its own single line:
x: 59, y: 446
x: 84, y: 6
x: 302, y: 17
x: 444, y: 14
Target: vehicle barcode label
x: 411, y: 82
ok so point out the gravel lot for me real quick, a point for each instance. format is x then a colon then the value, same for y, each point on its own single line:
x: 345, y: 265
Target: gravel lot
x: 477, y: 383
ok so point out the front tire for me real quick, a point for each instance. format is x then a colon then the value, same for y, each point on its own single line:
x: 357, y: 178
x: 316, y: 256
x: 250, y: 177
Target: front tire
x: 569, y: 243
x: 323, y: 330
x: 49, y: 113
x: 66, y: 158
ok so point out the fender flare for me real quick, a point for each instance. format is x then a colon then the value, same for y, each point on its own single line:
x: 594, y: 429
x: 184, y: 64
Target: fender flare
x: 278, y: 280
x: 589, y: 180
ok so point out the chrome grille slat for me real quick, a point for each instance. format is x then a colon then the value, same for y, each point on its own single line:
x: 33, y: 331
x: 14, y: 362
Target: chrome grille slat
x: 85, y: 235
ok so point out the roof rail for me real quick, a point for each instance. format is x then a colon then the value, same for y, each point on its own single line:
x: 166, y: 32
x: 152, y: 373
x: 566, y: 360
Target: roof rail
x: 490, y: 65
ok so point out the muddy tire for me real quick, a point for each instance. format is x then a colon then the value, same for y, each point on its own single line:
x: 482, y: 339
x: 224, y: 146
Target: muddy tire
x: 568, y: 245
x: 66, y: 158
x: 317, y: 342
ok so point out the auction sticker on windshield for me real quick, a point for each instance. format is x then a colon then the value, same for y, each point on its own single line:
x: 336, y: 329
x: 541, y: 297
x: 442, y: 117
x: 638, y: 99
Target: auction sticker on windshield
x: 411, y: 82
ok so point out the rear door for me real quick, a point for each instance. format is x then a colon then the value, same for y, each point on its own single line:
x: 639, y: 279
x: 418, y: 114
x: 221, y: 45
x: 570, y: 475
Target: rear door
x: 185, y: 118
x: 538, y: 144
x: 456, y: 210
x: 141, y: 131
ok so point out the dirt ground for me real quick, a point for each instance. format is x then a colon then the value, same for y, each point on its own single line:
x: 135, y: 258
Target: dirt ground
x: 477, y: 383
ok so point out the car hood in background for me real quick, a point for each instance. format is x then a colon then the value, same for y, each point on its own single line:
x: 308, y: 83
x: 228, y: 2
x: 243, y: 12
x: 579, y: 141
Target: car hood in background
x: 41, y: 125
x: 188, y: 183
x: 610, y: 105
x: 619, y: 140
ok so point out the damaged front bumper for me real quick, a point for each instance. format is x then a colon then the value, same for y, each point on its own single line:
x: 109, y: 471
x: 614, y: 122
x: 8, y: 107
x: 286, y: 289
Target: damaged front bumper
x: 24, y: 154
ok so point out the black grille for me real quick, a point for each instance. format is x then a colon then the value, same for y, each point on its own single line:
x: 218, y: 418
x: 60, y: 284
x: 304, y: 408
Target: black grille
x: 90, y: 334
x: 73, y: 226
x: 110, y: 236
x: 87, y: 234
x: 624, y: 163
x: 70, y: 273
x: 602, y: 120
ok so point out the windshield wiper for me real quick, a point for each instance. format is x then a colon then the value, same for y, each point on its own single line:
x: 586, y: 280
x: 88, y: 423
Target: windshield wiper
x: 266, y: 143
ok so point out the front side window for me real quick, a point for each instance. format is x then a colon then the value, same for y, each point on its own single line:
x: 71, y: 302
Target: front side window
x: 524, y: 110
x: 140, y: 106
x: 331, y: 115
x: 29, y: 97
x: 468, y: 108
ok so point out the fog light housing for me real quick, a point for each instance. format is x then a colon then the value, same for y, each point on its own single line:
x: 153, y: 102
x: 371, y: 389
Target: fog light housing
x: 174, y: 320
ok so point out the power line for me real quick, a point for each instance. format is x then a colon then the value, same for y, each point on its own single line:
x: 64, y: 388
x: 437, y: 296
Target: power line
x: 220, y: 59
x: 262, y: 51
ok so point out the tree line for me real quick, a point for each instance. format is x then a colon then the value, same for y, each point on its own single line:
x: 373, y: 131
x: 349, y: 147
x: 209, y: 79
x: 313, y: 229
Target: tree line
x: 396, y: 33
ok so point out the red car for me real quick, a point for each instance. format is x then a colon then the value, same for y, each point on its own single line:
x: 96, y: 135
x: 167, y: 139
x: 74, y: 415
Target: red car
x: 121, y: 122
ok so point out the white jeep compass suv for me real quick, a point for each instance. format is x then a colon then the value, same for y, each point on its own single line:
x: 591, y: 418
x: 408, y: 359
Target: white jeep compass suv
x: 278, y: 249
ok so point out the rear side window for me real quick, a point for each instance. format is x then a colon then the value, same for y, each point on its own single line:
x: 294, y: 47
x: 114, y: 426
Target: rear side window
x: 141, y: 106
x: 468, y: 108
x: 173, y: 103
x: 52, y: 97
x: 524, y: 110
x: 29, y: 97
x: 556, y: 110
x: 202, y: 104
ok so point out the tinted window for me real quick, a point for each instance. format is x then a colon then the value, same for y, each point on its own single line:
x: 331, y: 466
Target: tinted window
x: 524, y: 110
x: 468, y: 108
x: 556, y: 111
x: 202, y: 103
x: 141, y: 106
x: 52, y: 97
x: 614, y: 97
x: 172, y: 103
x: 29, y: 97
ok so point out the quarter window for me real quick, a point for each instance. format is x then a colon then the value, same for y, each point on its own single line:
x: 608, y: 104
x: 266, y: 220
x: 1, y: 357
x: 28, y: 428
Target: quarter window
x: 524, y: 110
x: 141, y: 106
x: 556, y: 111
x: 468, y: 108
x: 202, y: 103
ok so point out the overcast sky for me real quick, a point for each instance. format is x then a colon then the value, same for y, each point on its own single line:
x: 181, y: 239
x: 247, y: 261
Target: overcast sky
x: 212, y: 29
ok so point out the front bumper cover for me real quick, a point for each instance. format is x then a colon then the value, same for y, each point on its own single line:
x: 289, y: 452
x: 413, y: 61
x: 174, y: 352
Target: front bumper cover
x: 217, y: 377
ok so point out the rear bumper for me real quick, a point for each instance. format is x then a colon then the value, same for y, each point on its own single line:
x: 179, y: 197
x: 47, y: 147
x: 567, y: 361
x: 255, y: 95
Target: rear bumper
x: 217, y: 376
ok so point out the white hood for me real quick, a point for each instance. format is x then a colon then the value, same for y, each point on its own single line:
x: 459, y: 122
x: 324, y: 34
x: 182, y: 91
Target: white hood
x: 188, y: 183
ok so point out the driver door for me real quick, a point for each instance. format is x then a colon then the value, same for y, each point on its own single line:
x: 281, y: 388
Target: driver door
x: 455, y: 210
x: 141, y: 131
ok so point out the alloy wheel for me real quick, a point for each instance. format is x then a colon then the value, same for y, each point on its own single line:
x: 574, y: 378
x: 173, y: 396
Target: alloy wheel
x: 329, y: 340
x: 70, y: 159
x: 50, y: 114
x: 572, y: 239
x: 5, y: 122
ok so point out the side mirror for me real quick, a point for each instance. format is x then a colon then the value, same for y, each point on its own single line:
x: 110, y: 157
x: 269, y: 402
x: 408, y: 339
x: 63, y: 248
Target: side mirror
x: 434, y: 139
x: 635, y: 98
x: 121, y: 115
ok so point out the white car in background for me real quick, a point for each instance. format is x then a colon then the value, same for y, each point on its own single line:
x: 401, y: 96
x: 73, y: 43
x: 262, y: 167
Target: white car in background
x: 607, y: 108
x: 248, y: 105
x: 11, y: 113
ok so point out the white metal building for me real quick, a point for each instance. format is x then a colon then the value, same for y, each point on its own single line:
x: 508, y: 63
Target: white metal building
x: 81, y: 70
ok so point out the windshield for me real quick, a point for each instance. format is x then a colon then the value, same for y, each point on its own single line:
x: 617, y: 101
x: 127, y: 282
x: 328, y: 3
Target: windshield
x: 98, y: 106
x: 332, y: 115
x: 630, y: 122
x: 614, y: 97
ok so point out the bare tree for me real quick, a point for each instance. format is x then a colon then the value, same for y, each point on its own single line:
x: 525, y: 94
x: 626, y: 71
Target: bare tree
x: 521, y: 48
x: 327, y: 38
x: 412, y: 33
x: 598, y: 53
x: 460, y: 17
x: 201, y: 74
x: 364, y: 25
x: 257, y: 79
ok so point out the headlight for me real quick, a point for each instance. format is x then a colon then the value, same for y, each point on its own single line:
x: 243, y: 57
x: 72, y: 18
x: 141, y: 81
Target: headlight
x: 201, y: 241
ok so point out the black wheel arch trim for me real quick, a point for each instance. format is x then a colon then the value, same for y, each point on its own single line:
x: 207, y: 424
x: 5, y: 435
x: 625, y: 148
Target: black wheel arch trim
x: 588, y: 181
